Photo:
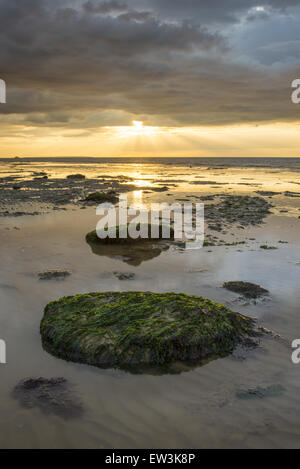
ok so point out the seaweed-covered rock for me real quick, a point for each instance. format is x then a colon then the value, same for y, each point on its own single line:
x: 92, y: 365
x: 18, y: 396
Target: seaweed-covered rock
x: 122, y: 235
x: 267, y: 247
x: 101, y: 197
x: 52, y: 396
x: 244, y: 210
x: 134, y: 329
x: 247, y: 289
x: 132, y: 251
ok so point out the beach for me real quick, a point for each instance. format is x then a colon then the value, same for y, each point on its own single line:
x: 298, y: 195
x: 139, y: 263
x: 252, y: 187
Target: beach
x: 44, y: 218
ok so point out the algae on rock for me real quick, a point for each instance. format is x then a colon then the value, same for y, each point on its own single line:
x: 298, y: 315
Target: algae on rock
x: 247, y: 289
x: 131, y: 251
x: 138, y: 329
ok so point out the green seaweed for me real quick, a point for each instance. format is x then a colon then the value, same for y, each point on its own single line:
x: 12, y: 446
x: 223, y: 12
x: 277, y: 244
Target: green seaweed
x: 92, y: 237
x: 132, y: 251
x: 267, y: 247
x: 132, y: 329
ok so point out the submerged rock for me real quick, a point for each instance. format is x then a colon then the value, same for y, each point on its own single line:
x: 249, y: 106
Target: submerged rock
x: 247, y: 289
x: 101, y: 197
x: 139, y: 329
x: 54, y: 274
x: 268, y: 193
x: 124, y: 275
x: 52, y: 396
x: 244, y: 210
x: 259, y: 392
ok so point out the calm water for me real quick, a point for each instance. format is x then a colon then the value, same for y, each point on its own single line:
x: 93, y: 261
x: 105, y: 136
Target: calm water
x: 292, y: 163
x: 195, y: 409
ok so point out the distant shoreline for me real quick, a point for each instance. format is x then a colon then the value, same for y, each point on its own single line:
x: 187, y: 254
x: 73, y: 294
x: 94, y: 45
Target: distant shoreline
x: 273, y: 162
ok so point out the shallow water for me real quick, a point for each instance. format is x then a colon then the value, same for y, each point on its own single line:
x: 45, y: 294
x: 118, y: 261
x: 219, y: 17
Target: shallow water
x: 194, y: 409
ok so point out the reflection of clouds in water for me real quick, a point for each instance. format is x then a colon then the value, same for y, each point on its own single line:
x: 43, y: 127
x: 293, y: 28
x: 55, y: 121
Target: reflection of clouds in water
x: 137, y: 195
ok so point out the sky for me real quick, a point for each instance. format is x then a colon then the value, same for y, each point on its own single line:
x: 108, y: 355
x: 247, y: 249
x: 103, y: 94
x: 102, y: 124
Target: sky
x: 149, y: 78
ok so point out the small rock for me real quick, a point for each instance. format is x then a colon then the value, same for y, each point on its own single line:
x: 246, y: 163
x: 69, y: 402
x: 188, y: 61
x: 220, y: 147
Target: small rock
x: 265, y: 246
x: 101, y: 197
x: 54, y: 274
x: 76, y: 177
x: 124, y: 275
x: 247, y: 289
x: 260, y: 392
x: 51, y: 396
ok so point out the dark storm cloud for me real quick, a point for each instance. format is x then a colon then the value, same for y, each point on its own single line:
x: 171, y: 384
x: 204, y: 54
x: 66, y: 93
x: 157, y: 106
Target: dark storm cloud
x: 104, y: 7
x: 89, y: 63
x: 216, y: 10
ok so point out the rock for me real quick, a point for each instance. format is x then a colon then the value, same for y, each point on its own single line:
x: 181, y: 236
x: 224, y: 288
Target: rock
x: 292, y: 194
x: 160, y: 189
x: 242, y: 210
x: 247, y: 289
x: 139, y: 329
x: 216, y: 227
x: 260, y: 392
x: 115, y: 238
x: 18, y: 214
x: 131, y: 251
x: 124, y: 275
x: 265, y: 246
x: 51, y: 396
x: 101, y: 197
x: 205, y: 198
x: 268, y: 193
x: 41, y: 173
x: 54, y: 274
x: 205, y: 183
x: 76, y: 177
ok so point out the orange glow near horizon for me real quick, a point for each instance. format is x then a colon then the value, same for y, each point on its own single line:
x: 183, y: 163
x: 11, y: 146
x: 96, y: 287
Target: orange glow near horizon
x: 137, y: 129
x: 141, y: 140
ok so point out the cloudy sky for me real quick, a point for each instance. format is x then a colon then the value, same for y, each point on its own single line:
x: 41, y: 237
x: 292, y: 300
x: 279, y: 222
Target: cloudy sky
x: 205, y: 77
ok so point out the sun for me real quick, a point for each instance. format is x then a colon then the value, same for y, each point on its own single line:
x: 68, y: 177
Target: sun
x: 138, y: 124
x: 136, y: 129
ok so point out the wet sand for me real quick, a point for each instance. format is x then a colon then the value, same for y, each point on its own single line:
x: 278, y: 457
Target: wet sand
x: 200, y: 408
